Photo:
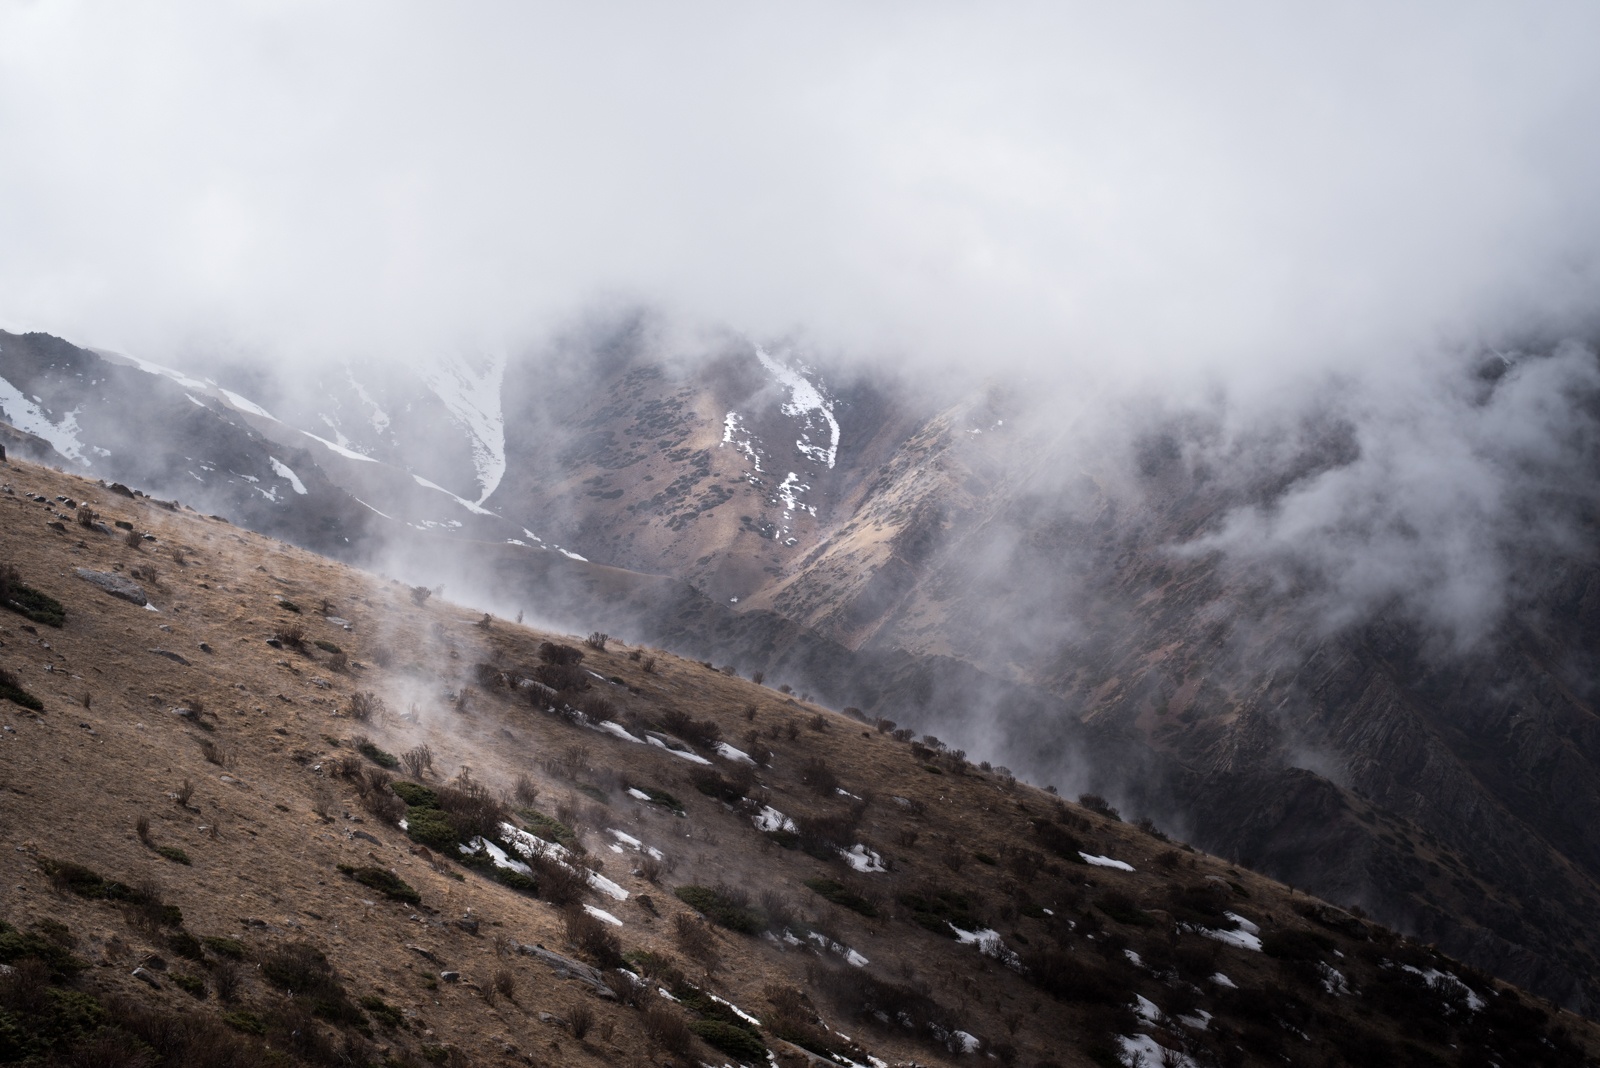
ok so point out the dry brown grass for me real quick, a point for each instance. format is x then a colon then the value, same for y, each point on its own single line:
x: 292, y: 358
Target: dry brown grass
x: 271, y: 877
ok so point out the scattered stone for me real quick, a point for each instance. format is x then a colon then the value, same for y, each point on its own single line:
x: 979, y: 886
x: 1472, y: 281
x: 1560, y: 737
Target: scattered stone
x: 120, y: 490
x: 176, y: 658
x: 450, y: 977
x: 116, y: 585
x: 427, y: 953
x: 275, y: 643
x: 145, y: 977
x: 364, y: 835
x: 469, y: 926
x: 205, y: 647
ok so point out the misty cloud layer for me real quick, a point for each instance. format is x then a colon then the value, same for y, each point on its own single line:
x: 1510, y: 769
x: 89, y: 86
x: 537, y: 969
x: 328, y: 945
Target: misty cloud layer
x: 1243, y: 212
x: 1243, y: 192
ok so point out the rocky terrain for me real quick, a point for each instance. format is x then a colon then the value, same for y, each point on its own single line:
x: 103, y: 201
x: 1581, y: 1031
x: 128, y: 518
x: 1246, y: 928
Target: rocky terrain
x: 935, y: 560
x: 266, y: 808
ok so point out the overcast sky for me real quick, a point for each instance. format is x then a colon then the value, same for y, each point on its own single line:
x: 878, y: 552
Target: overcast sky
x: 1145, y: 187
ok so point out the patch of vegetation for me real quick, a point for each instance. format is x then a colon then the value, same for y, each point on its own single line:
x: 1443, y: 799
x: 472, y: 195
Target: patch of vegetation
x: 731, y: 788
x: 1059, y: 840
x: 549, y: 828
x: 432, y: 828
x: 786, y: 839
x: 380, y: 757
x: 725, y: 906
x: 246, y: 1021
x: 1124, y: 909
x: 174, y: 854
x: 17, y: 945
x: 1296, y: 945
x: 11, y: 690
x: 592, y: 791
x: 192, y: 985
x: 186, y: 945
x: 231, y: 948
x: 383, y: 1012
x: 326, y: 646
x: 737, y: 1042
x: 414, y: 795
x: 288, y: 605
x: 29, y: 602
x: 841, y: 895
x: 384, y: 882
x: 939, y: 910
x: 77, y: 879
x: 303, y: 971
x: 660, y: 797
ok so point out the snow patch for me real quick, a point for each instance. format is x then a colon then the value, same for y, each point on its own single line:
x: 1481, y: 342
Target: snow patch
x: 1242, y: 939
x: 770, y: 819
x: 1105, y: 862
x: 804, y: 400
x: 694, y: 758
x: 471, y: 394
x: 28, y: 416
x: 572, y: 555
x: 730, y: 753
x: 348, y: 454
x: 282, y: 470
x: 1144, y: 1050
x: 602, y: 914
x: 862, y: 859
x: 462, y: 501
x: 245, y: 405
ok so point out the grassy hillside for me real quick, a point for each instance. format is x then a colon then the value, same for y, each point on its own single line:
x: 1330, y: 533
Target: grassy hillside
x: 289, y: 812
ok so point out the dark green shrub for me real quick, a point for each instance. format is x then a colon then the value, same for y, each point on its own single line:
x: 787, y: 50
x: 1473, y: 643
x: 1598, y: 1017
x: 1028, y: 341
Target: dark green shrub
x: 11, y: 690
x: 841, y: 895
x: 724, y: 905
x: 383, y: 1012
x: 174, y: 854
x: 231, y: 948
x: 660, y: 797
x: 29, y: 602
x: 248, y: 1022
x: 433, y: 829
x: 380, y: 757
x: 734, y: 1041
x: 551, y: 830
x: 1124, y: 909
x: 192, y: 985
x: 414, y: 795
x: 186, y: 945
x: 16, y: 945
x: 303, y: 971
x: 939, y: 909
x: 384, y: 882
x: 1296, y: 945
x: 326, y: 646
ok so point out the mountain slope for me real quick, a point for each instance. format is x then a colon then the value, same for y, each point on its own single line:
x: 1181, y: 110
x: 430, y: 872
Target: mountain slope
x: 239, y: 782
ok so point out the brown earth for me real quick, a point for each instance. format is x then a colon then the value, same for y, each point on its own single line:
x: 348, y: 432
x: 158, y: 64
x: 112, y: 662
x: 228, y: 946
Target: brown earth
x: 260, y: 786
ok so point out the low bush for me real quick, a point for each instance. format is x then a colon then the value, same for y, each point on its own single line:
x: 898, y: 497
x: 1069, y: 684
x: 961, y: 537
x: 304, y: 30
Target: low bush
x: 724, y: 905
x: 593, y: 937
x: 303, y: 971
x: 841, y: 895
x: 697, y: 732
x: 1122, y: 908
x: 27, y: 601
x: 737, y: 1042
x: 384, y: 882
x: 1096, y: 803
x: 938, y: 910
x: 384, y: 759
x: 730, y: 788
x: 11, y: 690
x: 231, y: 948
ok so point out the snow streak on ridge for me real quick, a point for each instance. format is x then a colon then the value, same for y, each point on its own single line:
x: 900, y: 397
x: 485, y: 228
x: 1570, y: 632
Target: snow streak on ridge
x: 472, y: 396
x: 804, y: 399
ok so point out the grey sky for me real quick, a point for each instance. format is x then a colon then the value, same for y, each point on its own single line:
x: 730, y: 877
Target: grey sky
x: 1170, y: 187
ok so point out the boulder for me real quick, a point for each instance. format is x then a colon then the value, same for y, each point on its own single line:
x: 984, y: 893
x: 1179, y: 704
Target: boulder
x: 116, y: 585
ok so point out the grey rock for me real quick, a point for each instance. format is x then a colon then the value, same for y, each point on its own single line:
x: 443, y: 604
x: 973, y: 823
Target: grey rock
x: 176, y: 658
x: 364, y: 835
x: 116, y: 585
x: 146, y: 977
x: 567, y: 968
x: 450, y: 977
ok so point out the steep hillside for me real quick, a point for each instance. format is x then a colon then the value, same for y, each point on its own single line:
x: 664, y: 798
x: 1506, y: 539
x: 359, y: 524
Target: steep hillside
x: 966, y: 565
x: 262, y: 805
